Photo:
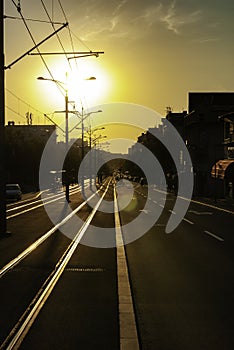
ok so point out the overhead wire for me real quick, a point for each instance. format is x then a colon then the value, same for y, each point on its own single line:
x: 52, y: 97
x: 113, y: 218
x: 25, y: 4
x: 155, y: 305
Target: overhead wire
x: 18, y: 7
x: 71, y: 39
x: 80, y: 40
x: 12, y: 110
x: 69, y: 29
x: 58, y: 37
x: 38, y: 50
x: 73, y: 48
x: 30, y: 19
x: 29, y: 106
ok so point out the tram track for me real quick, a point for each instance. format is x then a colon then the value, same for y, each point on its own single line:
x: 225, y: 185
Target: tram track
x: 32, y: 309
x: 35, y: 204
x: 24, y: 323
x: 45, y: 236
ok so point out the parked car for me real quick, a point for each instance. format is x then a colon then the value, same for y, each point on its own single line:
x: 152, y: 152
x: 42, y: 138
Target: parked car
x: 13, y: 192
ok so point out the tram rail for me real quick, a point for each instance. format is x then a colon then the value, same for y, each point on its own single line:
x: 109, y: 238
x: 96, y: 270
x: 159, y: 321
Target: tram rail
x: 24, y: 323
x: 18, y: 330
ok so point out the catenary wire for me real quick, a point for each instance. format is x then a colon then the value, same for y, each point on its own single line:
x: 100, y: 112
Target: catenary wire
x: 38, y: 50
x: 31, y: 20
x: 58, y: 37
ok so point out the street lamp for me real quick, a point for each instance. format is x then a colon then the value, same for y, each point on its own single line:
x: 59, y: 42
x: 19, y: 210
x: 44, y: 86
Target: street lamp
x: 82, y: 117
x: 90, y: 132
x: 97, y: 152
x: 60, y: 83
x: 85, y: 116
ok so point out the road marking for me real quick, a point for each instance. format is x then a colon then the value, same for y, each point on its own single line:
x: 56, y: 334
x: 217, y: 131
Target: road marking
x: 209, y: 205
x: 201, y: 203
x: 155, y: 202
x: 84, y: 269
x: 144, y: 211
x: 162, y: 206
x: 127, y: 321
x: 171, y: 211
x: 188, y: 221
x: 214, y: 236
x: 200, y: 212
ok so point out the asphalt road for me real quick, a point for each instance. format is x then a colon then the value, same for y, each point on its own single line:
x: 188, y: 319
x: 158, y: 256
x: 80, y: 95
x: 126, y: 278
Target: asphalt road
x: 182, y: 283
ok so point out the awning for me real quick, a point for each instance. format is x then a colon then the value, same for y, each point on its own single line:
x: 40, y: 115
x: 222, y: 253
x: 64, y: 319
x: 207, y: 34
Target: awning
x: 219, y: 169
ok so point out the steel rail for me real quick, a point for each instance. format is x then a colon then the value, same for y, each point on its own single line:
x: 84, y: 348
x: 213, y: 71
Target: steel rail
x: 40, y: 240
x: 34, y: 200
x: 25, y: 322
x: 61, y: 196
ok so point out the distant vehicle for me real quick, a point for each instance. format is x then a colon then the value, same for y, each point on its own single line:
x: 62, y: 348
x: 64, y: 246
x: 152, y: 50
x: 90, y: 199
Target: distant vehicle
x: 13, y: 192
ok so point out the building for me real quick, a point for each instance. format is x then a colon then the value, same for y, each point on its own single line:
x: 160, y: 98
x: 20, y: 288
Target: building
x: 223, y: 169
x: 207, y: 130
x: 24, y: 147
x: 177, y: 119
x: 204, y: 135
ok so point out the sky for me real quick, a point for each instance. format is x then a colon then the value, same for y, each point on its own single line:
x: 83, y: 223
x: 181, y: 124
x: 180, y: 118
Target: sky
x: 155, y: 52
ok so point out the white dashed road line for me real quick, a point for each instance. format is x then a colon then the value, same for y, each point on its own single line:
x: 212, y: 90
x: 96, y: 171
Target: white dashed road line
x: 214, y: 236
x: 188, y: 221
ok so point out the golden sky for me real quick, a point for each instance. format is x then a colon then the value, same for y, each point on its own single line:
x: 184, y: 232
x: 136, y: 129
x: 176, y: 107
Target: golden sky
x: 155, y: 53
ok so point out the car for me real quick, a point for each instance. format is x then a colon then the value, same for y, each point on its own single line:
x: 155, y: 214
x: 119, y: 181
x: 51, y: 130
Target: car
x: 13, y: 192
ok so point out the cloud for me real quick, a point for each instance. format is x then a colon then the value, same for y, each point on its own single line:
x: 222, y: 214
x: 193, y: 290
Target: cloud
x: 119, y: 6
x: 173, y: 17
x: 134, y: 21
x: 208, y: 40
x: 106, y: 28
x: 150, y: 14
x: 175, y: 20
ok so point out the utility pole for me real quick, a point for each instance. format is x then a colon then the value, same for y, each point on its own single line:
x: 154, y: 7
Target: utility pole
x: 3, y: 226
x: 67, y: 146
x: 82, y: 147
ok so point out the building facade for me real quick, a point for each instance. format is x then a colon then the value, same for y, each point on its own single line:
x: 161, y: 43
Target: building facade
x: 24, y: 147
x: 205, y: 136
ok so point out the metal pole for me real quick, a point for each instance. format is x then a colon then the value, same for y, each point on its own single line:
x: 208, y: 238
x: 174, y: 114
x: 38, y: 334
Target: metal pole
x: 215, y: 189
x: 90, y: 159
x: 66, y: 141
x: 3, y: 226
x: 82, y: 146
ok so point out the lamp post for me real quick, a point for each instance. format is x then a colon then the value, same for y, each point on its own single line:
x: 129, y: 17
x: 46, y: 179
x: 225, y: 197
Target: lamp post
x: 3, y: 224
x: 60, y: 83
x: 83, y: 117
x: 95, y: 141
x: 90, y: 132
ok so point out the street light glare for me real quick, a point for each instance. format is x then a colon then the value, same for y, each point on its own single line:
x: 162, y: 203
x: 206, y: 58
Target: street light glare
x: 91, y: 78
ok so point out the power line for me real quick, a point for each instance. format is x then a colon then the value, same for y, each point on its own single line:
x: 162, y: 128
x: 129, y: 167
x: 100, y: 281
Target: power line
x: 80, y: 40
x: 69, y: 30
x: 29, y: 107
x: 31, y: 20
x: 12, y: 110
x: 31, y: 36
x: 53, y: 25
x: 59, y: 40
